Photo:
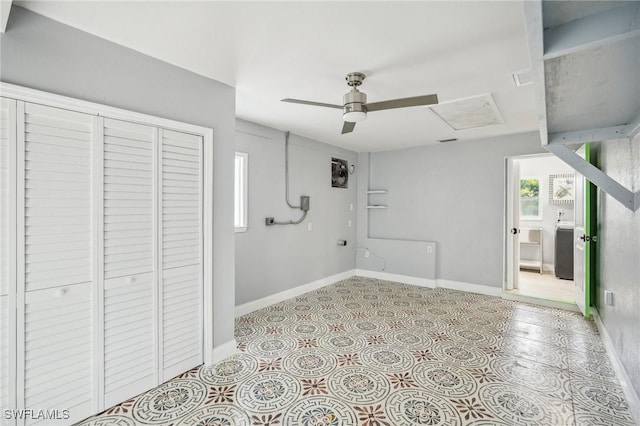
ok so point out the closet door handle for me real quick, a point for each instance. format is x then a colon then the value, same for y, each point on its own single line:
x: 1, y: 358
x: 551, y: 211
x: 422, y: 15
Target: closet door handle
x: 515, y: 231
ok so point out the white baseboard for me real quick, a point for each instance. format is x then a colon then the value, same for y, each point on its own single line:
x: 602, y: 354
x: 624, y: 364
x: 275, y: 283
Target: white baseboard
x: 549, y: 267
x: 254, y: 305
x: 470, y: 288
x: 625, y: 382
x: 406, y: 279
x: 223, y: 351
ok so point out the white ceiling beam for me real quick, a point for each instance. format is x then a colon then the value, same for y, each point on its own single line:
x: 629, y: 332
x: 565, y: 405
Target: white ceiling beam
x: 5, y: 9
x: 533, y: 23
x: 605, y: 27
x: 590, y: 135
x: 634, y: 127
x: 596, y: 176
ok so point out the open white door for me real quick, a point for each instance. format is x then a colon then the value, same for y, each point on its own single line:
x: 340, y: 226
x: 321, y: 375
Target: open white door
x: 579, y: 245
x: 513, y: 223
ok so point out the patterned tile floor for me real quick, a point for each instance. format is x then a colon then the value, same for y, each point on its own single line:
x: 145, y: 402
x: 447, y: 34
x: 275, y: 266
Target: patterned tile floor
x: 377, y: 353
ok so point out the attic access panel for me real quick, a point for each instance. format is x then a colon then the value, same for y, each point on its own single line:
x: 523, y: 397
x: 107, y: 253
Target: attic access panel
x: 339, y: 173
x: 478, y: 111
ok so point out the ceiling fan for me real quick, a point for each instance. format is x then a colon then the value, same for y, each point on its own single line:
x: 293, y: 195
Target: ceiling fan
x: 355, y: 106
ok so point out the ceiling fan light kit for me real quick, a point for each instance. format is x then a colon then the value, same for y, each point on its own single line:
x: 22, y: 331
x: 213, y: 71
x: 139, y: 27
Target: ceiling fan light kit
x: 354, y: 103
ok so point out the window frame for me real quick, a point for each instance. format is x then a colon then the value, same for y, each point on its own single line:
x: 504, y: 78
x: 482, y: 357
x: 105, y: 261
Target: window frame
x: 243, y: 203
x: 540, y: 215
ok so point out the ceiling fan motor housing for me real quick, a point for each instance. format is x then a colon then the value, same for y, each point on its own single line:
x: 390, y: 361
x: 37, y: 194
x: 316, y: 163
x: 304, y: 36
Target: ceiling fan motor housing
x: 354, y: 105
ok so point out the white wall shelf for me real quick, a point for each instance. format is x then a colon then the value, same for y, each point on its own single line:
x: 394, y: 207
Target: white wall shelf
x: 374, y: 192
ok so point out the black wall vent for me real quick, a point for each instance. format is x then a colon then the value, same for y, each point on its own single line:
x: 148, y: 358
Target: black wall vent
x: 339, y: 173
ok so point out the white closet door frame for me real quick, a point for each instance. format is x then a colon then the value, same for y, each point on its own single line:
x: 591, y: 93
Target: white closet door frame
x: 12, y: 290
x: 25, y: 94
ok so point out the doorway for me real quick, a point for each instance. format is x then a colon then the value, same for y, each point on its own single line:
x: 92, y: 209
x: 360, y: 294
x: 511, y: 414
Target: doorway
x: 540, y: 199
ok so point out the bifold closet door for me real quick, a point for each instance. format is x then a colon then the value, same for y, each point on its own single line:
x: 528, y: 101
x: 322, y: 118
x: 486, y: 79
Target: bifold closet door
x: 7, y: 253
x: 130, y: 364
x: 181, y: 252
x: 56, y: 262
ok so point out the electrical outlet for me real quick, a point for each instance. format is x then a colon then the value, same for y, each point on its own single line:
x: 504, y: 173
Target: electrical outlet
x: 309, y: 226
x: 349, y: 223
x: 429, y: 249
x: 269, y: 221
x: 366, y: 253
x: 608, y: 297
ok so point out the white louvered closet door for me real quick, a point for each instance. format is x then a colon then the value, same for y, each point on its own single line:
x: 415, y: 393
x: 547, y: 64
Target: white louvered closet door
x: 55, y: 259
x: 129, y: 259
x: 7, y: 253
x: 181, y: 247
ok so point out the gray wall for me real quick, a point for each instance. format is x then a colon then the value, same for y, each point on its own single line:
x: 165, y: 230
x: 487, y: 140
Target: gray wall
x: 277, y: 258
x: 542, y: 167
x: 619, y: 254
x: 43, y: 54
x: 393, y: 256
x: 452, y: 194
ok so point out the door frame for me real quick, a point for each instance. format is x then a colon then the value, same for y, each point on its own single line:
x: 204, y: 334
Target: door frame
x: 590, y: 229
x: 511, y: 207
x: 507, y: 258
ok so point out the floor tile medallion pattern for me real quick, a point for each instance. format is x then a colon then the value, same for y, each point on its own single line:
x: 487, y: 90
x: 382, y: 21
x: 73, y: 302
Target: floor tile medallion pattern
x: 377, y: 353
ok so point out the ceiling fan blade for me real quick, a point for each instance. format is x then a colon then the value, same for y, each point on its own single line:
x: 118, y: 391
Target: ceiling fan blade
x: 402, y: 103
x: 348, y: 127
x: 320, y: 104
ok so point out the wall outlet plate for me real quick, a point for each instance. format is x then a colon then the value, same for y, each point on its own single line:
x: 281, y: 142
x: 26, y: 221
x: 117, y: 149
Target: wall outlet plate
x: 608, y: 297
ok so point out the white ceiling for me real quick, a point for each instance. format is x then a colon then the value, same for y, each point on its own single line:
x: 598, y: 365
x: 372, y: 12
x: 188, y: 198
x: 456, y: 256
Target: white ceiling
x: 273, y: 50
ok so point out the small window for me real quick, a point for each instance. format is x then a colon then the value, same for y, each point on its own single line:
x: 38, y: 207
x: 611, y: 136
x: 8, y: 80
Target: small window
x: 530, y: 207
x: 240, y: 191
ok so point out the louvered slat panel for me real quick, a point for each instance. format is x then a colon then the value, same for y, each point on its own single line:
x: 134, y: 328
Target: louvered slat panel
x: 58, y: 344
x: 181, y: 247
x: 7, y: 134
x: 129, y: 337
x: 178, y: 313
x: 128, y: 197
x: 128, y: 259
x: 57, y: 199
x: 5, y: 196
